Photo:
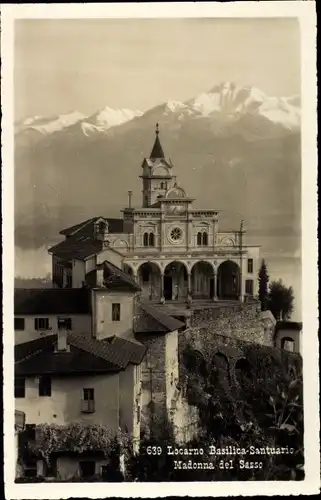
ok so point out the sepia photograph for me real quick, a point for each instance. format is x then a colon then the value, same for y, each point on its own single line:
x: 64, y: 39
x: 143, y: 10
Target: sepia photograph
x: 158, y: 305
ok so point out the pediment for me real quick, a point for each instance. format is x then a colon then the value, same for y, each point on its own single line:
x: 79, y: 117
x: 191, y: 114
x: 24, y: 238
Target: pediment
x: 161, y: 170
x: 203, y: 224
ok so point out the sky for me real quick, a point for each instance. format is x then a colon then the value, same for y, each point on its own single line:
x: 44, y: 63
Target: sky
x: 86, y: 65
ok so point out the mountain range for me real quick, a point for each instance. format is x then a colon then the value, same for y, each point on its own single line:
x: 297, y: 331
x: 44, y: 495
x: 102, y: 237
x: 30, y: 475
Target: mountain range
x: 233, y: 148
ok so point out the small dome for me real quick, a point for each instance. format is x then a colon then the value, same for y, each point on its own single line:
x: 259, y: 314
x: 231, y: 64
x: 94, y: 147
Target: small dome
x: 175, y: 192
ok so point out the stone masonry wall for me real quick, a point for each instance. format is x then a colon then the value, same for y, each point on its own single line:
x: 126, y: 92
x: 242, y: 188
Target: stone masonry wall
x: 153, y: 382
x: 241, y: 322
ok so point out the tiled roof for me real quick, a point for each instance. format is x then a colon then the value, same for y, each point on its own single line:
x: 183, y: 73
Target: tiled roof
x: 168, y: 322
x: 81, y: 242
x: 115, y: 278
x: 26, y: 349
x: 86, y: 355
x: 77, y: 247
x: 72, y: 229
x: 52, y: 301
x: 87, y: 226
x: 135, y: 350
x: 288, y: 325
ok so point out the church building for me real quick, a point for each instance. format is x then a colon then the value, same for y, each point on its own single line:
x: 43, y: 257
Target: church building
x: 174, y: 251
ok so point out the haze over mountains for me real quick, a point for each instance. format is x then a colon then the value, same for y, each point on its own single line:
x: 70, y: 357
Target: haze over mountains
x: 233, y: 148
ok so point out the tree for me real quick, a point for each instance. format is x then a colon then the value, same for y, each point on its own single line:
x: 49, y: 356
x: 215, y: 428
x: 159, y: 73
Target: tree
x: 263, y: 285
x: 280, y: 300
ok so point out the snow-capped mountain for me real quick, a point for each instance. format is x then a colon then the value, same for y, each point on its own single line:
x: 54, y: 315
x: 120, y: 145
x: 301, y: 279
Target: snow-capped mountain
x: 230, y: 102
x: 48, y: 125
x: 99, y: 122
x: 107, y: 118
x: 224, y: 105
x: 223, y: 143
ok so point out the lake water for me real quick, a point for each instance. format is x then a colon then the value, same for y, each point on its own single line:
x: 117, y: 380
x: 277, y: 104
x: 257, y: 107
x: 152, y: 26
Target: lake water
x: 283, y: 261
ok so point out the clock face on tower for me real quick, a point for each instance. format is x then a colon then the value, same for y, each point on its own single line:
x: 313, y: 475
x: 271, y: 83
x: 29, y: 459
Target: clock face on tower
x: 176, y: 209
x: 175, y: 234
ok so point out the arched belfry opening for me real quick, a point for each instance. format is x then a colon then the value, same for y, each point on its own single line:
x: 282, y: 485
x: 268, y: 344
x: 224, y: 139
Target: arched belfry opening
x: 228, y: 281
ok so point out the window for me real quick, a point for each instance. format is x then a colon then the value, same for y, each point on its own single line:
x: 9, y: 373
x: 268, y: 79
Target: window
x: 45, y: 385
x: 19, y: 387
x: 87, y: 469
x: 41, y: 323
x: 202, y: 239
x: 249, y: 287
x: 19, y: 323
x: 250, y: 266
x: 151, y: 240
x: 205, y: 239
x: 31, y: 432
x: 176, y: 234
x: 145, y: 239
x: 162, y: 185
x: 88, y: 402
x: 69, y: 281
x: 116, y: 312
x: 64, y: 323
x: 89, y: 394
x: 287, y: 344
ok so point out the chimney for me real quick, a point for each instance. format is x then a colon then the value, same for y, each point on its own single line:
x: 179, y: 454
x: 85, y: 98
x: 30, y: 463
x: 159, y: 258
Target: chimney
x: 62, y: 344
x: 130, y: 193
x: 100, y: 276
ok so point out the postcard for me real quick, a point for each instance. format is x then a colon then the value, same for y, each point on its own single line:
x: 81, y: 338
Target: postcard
x: 160, y: 263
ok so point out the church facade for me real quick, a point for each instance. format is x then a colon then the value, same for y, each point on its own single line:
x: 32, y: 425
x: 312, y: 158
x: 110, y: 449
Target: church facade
x: 173, y: 250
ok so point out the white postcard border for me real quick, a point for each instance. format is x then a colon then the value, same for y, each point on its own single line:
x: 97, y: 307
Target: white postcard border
x: 305, y: 12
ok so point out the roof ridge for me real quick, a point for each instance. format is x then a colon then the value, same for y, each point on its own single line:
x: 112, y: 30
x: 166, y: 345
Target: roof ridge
x: 163, y: 318
x: 108, y: 348
x: 78, y: 226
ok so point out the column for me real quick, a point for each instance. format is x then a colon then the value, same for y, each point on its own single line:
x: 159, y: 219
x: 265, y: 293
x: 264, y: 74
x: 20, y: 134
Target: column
x: 241, y: 286
x: 189, y: 286
x: 162, y: 298
x: 241, y: 289
x: 215, y: 286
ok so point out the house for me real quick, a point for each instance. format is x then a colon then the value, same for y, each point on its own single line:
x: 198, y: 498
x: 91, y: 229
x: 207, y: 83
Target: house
x: 106, y: 305
x: 93, y: 356
x: 71, y: 378
x: 287, y: 335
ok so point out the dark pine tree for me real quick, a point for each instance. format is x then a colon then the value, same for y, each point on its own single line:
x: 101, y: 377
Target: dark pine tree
x: 263, y: 285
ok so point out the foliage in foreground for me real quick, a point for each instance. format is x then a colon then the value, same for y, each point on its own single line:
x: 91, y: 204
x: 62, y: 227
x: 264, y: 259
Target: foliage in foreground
x: 258, y: 404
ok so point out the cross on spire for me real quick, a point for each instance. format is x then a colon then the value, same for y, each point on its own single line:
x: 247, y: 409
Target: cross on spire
x: 157, y: 151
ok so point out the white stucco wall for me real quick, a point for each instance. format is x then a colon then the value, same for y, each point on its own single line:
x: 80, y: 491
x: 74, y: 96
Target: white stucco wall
x: 64, y: 405
x: 103, y: 324
x: 112, y: 256
x: 78, y: 273
x: 81, y: 323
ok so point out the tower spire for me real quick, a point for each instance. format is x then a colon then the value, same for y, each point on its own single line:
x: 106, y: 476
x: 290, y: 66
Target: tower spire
x: 157, y: 151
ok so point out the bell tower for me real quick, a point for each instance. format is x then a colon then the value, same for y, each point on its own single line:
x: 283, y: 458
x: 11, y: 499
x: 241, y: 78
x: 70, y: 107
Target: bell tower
x: 157, y: 174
